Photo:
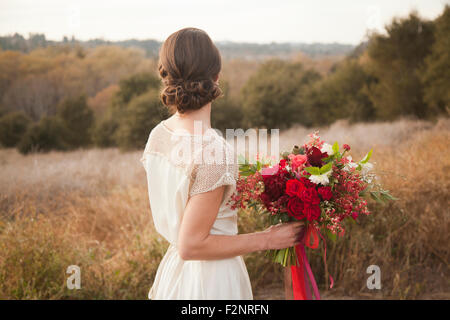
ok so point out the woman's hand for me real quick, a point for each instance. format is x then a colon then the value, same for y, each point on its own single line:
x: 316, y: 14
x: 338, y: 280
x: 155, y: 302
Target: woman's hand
x: 283, y: 235
x: 195, y: 241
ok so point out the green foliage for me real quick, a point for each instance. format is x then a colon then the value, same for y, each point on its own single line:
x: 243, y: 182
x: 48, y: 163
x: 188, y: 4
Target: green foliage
x: 272, y: 97
x: 48, y: 134
x: 436, y: 76
x: 367, y: 157
x: 226, y: 112
x: 313, y: 170
x: 104, y: 132
x: 78, y: 119
x: 136, y: 85
x: 341, y: 95
x: 395, y: 61
x: 325, y: 168
x: 142, y: 114
x: 117, y: 126
x: 12, y: 127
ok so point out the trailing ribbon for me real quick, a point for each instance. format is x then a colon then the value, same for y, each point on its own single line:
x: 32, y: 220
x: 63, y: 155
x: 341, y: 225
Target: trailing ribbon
x: 302, y: 270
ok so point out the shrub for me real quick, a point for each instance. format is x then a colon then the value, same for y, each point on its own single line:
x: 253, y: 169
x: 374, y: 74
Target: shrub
x: 12, y: 127
x: 136, y: 85
x: 271, y: 95
x: 226, y: 112
x: 78, y: 118
x: 141, y: 115
x: 48, y: 134
x: 104, y: 133
x: 341, y: 95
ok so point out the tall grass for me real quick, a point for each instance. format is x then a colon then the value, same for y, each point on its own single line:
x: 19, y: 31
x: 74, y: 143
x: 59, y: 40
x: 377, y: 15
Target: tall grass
x: 90, y: 208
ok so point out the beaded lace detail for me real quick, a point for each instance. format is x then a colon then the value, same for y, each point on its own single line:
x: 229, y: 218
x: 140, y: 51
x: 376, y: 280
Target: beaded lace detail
x: 208, y: 160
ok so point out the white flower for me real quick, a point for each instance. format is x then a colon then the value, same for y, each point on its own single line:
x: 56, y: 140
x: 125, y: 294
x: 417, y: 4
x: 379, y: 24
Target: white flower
x: 366, y: 167
x: 328, y: 148
x: 350, y: 164
x: 321, y: 178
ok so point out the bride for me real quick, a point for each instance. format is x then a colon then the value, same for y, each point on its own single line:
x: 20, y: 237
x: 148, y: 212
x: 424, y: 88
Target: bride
x: 188, y: 192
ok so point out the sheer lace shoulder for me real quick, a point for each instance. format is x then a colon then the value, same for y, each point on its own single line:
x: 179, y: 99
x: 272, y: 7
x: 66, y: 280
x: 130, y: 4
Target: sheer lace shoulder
x: 217, y: 167
x: 208, y: 160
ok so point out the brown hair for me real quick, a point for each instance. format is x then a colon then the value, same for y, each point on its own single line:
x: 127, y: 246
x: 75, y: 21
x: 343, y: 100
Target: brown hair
x: 189, y: 64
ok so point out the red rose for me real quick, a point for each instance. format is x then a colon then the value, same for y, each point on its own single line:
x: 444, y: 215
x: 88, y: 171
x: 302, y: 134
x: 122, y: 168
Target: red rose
x: 325, y: 192
x: 346, y: 147
x: 310, y: 196
x: 295, y: 208
x: 306, y: 182
x: 282, y: 163
x: 294, y: 187
x: 312, y: 212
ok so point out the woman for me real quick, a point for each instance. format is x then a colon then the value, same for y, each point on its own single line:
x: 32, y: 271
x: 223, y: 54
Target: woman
x: 188, y: 192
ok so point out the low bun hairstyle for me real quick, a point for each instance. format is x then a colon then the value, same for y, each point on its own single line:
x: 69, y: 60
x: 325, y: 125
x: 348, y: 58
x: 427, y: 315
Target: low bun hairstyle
x: 189, y: 65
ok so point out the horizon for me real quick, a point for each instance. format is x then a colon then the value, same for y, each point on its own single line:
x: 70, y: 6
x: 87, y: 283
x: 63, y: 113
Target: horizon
x: 326, y: 22
x: 27, y: 36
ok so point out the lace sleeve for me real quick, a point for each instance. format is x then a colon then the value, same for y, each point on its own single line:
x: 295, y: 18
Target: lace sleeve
x: 216, y: 168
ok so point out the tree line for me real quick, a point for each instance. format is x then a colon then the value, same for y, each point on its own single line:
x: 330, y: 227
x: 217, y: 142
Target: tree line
x: 68, y: 97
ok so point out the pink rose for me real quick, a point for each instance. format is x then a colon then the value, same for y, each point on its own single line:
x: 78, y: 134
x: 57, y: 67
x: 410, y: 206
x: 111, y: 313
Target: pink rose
x: 269, y: 171
x: 297, y: 161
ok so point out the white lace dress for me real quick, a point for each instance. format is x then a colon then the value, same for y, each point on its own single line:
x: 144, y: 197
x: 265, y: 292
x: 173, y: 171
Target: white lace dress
x: 179, y: 165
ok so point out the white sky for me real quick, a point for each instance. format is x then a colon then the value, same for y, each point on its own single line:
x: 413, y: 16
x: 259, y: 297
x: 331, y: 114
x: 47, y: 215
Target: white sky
x: 261, y: 21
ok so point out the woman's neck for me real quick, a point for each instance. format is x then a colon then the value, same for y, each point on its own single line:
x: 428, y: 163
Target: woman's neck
x: 187, y: 120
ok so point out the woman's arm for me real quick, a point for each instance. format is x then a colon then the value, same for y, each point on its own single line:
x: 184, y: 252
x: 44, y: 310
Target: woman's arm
x: 196, y: 243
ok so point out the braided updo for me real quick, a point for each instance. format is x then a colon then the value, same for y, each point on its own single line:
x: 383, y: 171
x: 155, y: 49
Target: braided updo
x: 189, y: 65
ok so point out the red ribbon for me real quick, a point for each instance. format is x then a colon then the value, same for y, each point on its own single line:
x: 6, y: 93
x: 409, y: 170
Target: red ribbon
x: 302, y: 270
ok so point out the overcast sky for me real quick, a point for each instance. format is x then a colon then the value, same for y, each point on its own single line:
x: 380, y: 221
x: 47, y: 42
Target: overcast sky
x: 259, y: 21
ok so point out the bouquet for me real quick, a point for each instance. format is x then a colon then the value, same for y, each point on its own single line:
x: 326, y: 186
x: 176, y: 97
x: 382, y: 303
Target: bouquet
x: 317, y: 183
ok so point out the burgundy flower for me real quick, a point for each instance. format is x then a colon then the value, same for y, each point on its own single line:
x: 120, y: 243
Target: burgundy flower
x: 274, y: 187
x: 295, y: 208
x: 310, y: 196
x: 294, y: 187
x: 315, y: 156
x: 325, y: 192
x: 346, y: 147
x: 311, y: 211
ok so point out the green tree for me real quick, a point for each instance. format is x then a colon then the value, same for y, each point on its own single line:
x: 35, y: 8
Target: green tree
x: 78, y: 118
x: 48, y: 134
x: 436, y: 75
x: 106, y: 132
x: 226, y: 112
x: 136, y: 85
x: 142, y: 114
x: 396, y: 60
x: 272, y: 96
x: 12, y: 127
x: 341, y: 95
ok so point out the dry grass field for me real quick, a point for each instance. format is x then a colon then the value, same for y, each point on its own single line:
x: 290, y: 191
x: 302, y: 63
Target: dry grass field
x: 90, y: 208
